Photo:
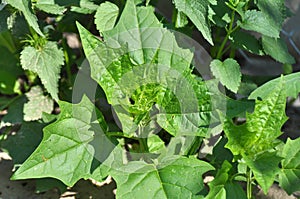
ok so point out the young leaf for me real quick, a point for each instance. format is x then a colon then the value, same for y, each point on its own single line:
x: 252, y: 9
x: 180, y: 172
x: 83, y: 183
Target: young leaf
x: 46, y: 62
x: 37, y: 104
x: 291, y: 87
x: 138, y: 179
x: 65, y: 152
x: 277, y: 49
x: 106, y: 16
x: 263, y: 126
x: 259, y: 22
x: 197, y: 11
x: 25, y: 7
x: 228, y: 72
x: 289, y: 177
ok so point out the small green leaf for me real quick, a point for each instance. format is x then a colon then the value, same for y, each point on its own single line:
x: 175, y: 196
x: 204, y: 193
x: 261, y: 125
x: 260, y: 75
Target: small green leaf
x: 106, y: 16
x: 222, y: 187
x: 46, y: 62
x: 37, y: 104
x: 277, y: 49
x: 265, y: 167
x: 259, y: 22
x: 171, y: 178
x: 155, y: 144
x: 228, y: 72
x: 65, y: 152
x: 291, y: 87
x: 25, y: 7
x: 289, y: 177
x: 181, y: 20
x: 197, y: 11
x: 218, y: 11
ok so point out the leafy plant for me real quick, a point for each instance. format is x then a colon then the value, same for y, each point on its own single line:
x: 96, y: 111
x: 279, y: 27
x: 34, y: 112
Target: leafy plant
x: 163, y: 107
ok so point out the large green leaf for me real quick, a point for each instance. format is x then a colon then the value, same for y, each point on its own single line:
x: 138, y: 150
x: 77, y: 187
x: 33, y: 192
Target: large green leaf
x: 263, y: 126
x: 106, y: 16
x: 144, y: 67
x: 277, y: 49
x: 65, y: 152
x: 260, y: 22
x: 197, y: 11
x: 228, y: 72
x: 289, y: 177
x: 291, y: 87
x: 25, y: 7
x: 46, y: 62
x: 171, y: 178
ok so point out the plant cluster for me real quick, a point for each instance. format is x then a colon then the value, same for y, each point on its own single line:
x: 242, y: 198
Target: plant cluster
x: 141, y: 108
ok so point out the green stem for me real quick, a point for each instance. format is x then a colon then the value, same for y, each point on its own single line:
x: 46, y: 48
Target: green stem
x: 229, y: 31
x: 249, y: 183
x: 143, y: 145
x: 68, y: 66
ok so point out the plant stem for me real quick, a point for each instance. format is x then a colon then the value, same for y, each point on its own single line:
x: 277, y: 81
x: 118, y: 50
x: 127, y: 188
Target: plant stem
x: 67, y: 60
x: 143, y: 145
x: 249, y: 183
x: 229, y: 31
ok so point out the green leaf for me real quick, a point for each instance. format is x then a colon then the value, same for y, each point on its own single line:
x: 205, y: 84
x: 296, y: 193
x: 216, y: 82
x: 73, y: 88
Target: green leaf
x: 265, y: 167
x: 262, y: 128
x: 49, y: 6
x: 246, y: 41
x: 277, y: 49
x: 25, y: 7
x: 46, y: 62
x: 106, y: 16
x: 181, y: 20
x: 228, y: 72
x: 259, y: 22
x: 65, y: 152
x: 15, y: 112
x: 171, y: 178
x: 222, y: 187
x: 37, y: 104
x: 289, y: 177
x: 291, y: 87
x: 46, y: 184
x: 21, y: 145
x: 274, y: 11
x: 144, y: 70
x: 218, y: 12
x: 155, y: 144
x: 197, y: 11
